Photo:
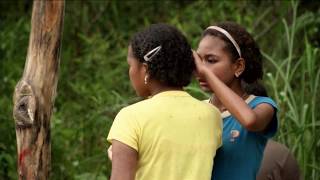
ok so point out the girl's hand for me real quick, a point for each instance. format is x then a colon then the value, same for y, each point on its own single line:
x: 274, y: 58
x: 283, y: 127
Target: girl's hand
x: 110, y: 152
x: 201, y: 69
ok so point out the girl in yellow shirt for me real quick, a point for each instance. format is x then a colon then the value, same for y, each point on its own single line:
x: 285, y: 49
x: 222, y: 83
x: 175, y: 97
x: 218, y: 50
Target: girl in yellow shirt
x: 170, y: 136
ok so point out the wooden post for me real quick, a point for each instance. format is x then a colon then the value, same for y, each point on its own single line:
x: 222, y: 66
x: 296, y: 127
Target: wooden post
x: 35, y: 92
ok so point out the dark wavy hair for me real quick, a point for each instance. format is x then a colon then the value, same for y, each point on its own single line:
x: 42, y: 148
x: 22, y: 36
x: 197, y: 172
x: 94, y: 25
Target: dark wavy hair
x: 250, y: 51
x: 173, y: 65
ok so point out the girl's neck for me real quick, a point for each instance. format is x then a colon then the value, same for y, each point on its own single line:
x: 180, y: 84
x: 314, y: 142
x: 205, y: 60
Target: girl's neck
x: 155, y: 89
x: 236, y: 88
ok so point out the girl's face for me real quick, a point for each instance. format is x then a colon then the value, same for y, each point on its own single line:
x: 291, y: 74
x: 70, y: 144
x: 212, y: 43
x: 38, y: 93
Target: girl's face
x: 137, y: 72
x: 212, y: 51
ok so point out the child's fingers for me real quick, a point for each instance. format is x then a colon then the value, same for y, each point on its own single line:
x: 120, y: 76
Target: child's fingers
x: 110, y: 152
x: 196, y: 57
x: 198, y: 63
x: 200, y: 66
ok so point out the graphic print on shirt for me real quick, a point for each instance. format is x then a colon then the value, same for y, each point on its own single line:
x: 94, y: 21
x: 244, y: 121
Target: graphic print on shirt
x: 234, y: 134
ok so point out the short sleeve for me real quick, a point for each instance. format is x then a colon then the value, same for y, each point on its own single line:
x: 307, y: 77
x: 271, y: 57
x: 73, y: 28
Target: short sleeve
x: 125, y: 129
x: 272, y: 127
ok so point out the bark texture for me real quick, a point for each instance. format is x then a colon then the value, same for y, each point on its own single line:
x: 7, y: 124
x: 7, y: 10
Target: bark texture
x: 35, y: 92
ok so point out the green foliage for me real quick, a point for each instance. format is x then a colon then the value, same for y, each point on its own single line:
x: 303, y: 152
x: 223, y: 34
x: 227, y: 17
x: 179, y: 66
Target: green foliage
x: 12, y: 37
x: 295, y: 84
x: 94, y: 85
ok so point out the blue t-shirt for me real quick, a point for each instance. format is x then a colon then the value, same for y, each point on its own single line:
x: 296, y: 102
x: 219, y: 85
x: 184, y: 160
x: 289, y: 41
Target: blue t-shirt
x: 241, y: 153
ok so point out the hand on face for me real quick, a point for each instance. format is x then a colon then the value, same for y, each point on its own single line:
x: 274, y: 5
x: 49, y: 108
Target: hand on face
x: 201, y: 69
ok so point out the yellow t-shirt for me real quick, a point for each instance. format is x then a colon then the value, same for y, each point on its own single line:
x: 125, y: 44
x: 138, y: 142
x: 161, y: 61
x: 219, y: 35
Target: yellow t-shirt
x: 176, y: 136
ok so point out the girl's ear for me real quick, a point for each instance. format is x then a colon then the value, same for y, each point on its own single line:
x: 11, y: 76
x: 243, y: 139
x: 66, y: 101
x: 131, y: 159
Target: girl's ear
x: 144, y: 68
x: 240, y: 66
x: 144, y: 71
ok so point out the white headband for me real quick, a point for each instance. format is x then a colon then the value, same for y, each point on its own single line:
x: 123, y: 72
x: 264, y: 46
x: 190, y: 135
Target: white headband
x: 151, y: 53
x: 235, y: 44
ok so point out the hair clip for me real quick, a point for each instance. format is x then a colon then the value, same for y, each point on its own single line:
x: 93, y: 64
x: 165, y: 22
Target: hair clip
x: 151, y: 53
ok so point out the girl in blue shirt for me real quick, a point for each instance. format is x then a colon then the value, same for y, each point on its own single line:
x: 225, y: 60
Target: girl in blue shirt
x: 228, y: 60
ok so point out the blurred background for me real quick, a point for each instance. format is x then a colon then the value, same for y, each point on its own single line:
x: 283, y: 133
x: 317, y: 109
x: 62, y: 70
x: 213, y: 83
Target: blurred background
x: 94, y: 85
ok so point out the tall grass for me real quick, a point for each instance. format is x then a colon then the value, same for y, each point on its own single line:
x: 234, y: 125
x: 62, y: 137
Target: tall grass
x: 295, y: 85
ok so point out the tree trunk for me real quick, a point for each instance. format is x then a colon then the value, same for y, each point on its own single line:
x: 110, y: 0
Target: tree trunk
x: 35, y: 92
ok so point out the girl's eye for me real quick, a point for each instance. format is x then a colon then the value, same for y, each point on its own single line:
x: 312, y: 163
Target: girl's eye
x: 210, y: 60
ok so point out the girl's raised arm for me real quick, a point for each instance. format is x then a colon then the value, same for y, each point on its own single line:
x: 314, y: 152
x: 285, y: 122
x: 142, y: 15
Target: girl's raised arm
x: 255, y: 119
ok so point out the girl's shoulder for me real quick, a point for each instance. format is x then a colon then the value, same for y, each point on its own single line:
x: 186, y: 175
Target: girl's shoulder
x: 256, y: 100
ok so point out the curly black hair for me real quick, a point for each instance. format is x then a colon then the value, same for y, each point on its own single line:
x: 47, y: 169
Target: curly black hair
x: 173, y: 65
x: 250, y: 51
